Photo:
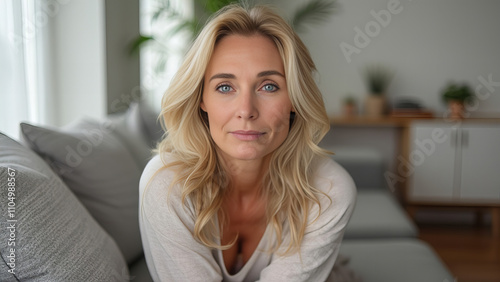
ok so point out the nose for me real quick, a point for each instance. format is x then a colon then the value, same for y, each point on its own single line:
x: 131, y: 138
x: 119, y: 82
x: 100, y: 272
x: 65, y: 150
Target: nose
x: 247, y: 107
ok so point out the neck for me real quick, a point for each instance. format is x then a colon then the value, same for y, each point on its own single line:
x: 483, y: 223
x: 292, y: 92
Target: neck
x: 246, y: 176
x: 244, y: 200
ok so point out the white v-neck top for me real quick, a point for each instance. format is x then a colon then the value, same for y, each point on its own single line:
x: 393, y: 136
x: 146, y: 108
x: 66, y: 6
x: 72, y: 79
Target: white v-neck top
x: 251, y: 270
x: 172, y: 253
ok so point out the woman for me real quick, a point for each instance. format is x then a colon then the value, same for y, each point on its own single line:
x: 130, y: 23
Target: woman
x: 240, y: 191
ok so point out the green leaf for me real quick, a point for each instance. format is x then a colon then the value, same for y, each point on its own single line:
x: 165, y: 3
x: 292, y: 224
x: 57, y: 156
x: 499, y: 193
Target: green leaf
x: 137, y: 44
x: 316, y: 11
x: 378, y: 78
x: 212, y: 6
x: 191, y: 26
x: 163, y: 7
x: 457, y: 92
x: 161, y: 64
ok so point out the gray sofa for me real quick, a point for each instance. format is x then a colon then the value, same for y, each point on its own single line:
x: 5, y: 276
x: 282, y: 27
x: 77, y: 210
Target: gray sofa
x: 381, y: 240
x: 74, y: 204
x: 72, y: 214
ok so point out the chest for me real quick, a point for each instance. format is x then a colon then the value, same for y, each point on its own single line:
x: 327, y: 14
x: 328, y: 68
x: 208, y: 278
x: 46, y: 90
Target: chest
x: 245, y: 231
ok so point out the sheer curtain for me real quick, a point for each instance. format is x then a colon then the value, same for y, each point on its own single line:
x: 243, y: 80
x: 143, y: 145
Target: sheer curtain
x: 21, y: 86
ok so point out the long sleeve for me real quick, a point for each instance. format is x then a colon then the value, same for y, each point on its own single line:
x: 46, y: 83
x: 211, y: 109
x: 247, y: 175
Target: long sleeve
x: 322, y: 238
x: 172, y: 254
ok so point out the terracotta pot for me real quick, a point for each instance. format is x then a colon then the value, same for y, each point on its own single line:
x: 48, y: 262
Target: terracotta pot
x: 456, y: 109
x: 375, y: 105
x: 349, y: 110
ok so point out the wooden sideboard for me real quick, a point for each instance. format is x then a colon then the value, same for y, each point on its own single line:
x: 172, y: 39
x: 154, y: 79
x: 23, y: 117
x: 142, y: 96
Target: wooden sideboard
x: 406, y: 146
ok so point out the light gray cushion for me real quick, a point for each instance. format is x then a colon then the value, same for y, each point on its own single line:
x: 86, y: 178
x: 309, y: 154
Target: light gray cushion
x: 378, y: 215
x: 365, y: 165
x: 130, y: 134
x: 100, y: 170
x: 409, y: 260
x: 150, y: 122
x: 342, y: 272
x: 143, y: 121
x: 56, y: 239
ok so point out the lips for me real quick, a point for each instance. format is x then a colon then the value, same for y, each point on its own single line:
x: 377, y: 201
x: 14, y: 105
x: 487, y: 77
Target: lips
x: 247, y: 135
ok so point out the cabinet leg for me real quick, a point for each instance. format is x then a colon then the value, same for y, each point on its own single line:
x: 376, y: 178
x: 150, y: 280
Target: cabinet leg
x: 495, y: 221
x: 478, y: 217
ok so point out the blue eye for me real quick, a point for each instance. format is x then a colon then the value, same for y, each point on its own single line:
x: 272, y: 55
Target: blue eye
x: 224, y: 88
x: 270, y: 88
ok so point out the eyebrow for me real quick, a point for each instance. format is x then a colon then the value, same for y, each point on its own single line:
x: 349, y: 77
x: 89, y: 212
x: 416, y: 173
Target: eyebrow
x: 260, y: 74
x: 223, y: 75
x: 269, y: 72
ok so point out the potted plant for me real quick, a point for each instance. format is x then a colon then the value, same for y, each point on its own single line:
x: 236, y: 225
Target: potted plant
x: 350, y: 106
x: 455, y: 95
x: 377, y: 78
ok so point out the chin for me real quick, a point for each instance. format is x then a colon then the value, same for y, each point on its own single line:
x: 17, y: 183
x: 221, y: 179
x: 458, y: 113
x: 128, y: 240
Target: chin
x: 248, y: 154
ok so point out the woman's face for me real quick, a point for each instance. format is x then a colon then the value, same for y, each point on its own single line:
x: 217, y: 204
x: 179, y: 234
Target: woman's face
x: 246, y: 97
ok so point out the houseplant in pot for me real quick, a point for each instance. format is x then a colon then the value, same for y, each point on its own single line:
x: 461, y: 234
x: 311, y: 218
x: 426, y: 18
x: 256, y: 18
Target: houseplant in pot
x: 456, y: 95
x: 377, y: 78
x: 349, y: 108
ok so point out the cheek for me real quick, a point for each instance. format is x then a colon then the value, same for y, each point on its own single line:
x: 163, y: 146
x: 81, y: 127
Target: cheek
x: 217, y: 118
x: 280, y: 119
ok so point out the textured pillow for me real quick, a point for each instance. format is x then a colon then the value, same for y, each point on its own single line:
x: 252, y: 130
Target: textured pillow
x: 130, y: 134
x: 100, y: 170
x: 53, y: 237
x: 145, y: 119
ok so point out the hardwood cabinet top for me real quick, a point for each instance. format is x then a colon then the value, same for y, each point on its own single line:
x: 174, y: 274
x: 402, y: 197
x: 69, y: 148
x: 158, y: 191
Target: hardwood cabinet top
x: 388, y: 121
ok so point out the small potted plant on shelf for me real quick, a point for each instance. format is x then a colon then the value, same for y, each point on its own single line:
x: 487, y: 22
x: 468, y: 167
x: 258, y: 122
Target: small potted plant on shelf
x: 377, y: 78
x: 350, y: 106
x: 456, y: 95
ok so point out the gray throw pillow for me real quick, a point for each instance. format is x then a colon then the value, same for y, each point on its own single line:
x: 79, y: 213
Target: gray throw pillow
x: 139, y: 147
x: 47, y: 235
x: 145, y: 119
x: 96, y: 165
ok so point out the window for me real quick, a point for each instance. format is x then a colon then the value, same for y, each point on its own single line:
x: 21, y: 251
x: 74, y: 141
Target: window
x: 166, y: 49
x: 22, y: 96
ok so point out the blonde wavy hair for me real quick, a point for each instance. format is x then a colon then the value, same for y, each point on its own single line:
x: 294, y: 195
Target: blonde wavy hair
x: 288, y: 183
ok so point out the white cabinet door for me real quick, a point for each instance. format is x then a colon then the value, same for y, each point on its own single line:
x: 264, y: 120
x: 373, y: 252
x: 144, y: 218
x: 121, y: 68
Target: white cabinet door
x: 480, y: 162
x: 433, y: 160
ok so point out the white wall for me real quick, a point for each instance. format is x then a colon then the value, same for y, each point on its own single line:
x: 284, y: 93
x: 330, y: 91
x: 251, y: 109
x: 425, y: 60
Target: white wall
x: 427, y: 43
x: 92, y: 70
x: 78, y: 60
x: 122, y: 68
